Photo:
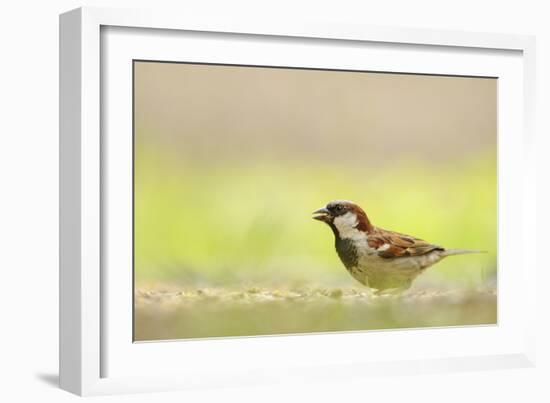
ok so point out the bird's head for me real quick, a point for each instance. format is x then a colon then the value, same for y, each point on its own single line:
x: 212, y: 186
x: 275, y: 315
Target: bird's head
x: 344, y: 217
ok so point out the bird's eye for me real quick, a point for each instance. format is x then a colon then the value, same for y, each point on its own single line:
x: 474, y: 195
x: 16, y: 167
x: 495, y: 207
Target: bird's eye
x: 339, y: 207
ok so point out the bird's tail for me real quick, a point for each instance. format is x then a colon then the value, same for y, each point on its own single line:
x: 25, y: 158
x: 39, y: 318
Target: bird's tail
x: 451, y: 252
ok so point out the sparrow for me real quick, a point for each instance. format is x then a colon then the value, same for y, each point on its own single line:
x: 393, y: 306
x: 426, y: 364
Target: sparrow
x: 385, y: 261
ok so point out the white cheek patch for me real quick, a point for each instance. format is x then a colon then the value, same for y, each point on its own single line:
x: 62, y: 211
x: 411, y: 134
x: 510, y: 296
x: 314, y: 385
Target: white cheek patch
x: 345, y: 224
x: 348, y: 220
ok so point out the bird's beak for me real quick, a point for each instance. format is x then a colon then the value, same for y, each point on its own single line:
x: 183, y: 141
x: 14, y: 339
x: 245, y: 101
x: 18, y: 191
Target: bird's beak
x: 322, y: 215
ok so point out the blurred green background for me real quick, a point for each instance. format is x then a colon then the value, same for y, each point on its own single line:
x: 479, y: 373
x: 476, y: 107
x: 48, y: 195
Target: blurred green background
x: 230, y: 162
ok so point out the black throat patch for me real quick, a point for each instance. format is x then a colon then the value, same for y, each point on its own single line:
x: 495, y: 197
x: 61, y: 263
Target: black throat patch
x: 347, y: 252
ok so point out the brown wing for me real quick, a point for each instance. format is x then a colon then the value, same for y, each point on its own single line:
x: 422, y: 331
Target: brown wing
x: 391, y: 244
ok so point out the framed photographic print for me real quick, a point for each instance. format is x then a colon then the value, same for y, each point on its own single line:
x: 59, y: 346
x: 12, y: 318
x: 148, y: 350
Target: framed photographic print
x: 243, y: 202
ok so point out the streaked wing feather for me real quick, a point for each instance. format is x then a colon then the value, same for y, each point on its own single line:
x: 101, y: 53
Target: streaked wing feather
x: 393, y: 244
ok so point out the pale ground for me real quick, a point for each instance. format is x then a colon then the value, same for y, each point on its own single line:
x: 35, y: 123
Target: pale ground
x: 168, y: 313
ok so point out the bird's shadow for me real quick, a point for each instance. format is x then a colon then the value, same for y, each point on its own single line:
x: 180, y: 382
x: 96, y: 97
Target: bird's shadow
x: 49, y: 379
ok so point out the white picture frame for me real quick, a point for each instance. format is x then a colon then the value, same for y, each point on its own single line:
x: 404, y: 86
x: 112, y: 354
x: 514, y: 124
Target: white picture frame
x: 96, y: 354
